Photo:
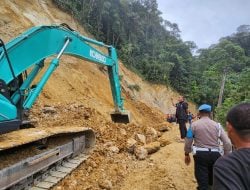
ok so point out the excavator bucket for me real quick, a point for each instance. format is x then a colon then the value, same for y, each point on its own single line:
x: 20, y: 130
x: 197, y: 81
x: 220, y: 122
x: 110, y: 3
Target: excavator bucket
x: 120, y: 117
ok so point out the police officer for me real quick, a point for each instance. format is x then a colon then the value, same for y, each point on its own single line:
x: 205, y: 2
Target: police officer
x: 206, y: 135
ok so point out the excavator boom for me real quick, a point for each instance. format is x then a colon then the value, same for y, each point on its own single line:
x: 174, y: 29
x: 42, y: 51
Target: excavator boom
x: 29, y: 50
x: 56, y: 150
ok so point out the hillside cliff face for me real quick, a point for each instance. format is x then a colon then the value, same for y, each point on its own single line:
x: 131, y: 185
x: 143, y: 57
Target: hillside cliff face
x: 79, y: 92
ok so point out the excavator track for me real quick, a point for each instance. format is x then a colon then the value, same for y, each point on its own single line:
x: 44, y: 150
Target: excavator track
x: 55, y: 153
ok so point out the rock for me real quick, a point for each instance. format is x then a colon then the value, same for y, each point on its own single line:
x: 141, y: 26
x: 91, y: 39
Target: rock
x: 131, y: 144
x: 73, y: 183
x: 159, y: 134
x: 49, y: 110
x: 86, y: 116
x: 141, y: 153
x: 114, y: 149
x: 123, y: 132
x: 164, y: 141
x: 108, y: 144
x: 93, y: 164
x: 141, y: 138
x: 164, y: 129
x: 152, y: 147
x: 171, y: 185
x: 151, y: 131
x: 89, y: 169
x: 105, y: 184
x: 151, y: 134
x: 151, y: 164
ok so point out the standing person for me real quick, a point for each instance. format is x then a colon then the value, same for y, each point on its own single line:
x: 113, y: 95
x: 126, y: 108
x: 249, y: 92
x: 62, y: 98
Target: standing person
x: 181, y: 115
x: 233, y: 171
x: 206, y: 134
x: 190, y: 117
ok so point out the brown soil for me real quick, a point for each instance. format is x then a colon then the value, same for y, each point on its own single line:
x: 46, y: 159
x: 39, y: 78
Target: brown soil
x: 80, y: 94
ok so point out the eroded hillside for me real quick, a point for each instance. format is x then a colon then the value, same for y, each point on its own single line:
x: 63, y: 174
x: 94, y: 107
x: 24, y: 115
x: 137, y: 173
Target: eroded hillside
x: 79, y: 94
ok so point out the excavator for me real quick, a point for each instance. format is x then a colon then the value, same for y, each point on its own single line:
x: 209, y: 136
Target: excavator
x: 56, y: 151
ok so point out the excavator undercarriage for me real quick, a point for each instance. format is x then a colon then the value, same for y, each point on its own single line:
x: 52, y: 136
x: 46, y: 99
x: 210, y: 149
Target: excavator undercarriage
x: 52, y: 154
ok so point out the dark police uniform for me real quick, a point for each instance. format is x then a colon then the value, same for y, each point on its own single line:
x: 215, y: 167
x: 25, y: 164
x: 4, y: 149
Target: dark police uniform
x: 181, y: 116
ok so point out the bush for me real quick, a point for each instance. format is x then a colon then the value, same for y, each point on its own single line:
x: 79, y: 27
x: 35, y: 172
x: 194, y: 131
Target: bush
x: 134, y: 87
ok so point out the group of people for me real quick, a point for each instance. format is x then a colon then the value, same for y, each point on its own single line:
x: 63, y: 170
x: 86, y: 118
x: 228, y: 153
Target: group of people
x: 171, y: 118
x: 216, y: 166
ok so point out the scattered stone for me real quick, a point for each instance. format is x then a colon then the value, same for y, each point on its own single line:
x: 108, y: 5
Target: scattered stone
x: 86, y: 116
x: 123, y: 132
x: 89, y: 187
x: 151, y: 159
x: 49, y: 110
x: 108, y: 144
x: 151, y: 164
x: 105, y: 184
x: 164, y: 129
x: 131, y: 144
x: 89, y: 169
x: 159, y: 134
x: 152, y: 147
x: 171, y: 185
x: 141, y: 138
x: 114, y: 149
x: 151, y: 131
x: 151, y: 134
x: 74, y: 183
x: 163, y: 141
x: 93, y: 164
x: 141, y: 153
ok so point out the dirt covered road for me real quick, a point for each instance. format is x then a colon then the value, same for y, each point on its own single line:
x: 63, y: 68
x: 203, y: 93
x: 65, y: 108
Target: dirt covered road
x: 78, y: 94
x: 111, y: 166
x: 164, y: 169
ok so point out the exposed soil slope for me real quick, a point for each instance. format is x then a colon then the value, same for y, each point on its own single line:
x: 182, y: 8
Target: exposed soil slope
x: 79, y: 94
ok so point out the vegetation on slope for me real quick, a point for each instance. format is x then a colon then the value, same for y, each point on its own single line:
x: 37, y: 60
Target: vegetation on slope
x: 152, y: 47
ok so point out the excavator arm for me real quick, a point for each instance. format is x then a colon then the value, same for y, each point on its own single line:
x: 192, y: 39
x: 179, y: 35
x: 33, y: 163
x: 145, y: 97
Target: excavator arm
x: 28, y: 52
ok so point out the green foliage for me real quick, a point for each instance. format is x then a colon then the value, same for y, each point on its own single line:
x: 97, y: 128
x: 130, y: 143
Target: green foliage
x: 226, y: 57
x: 152, y: 47
x: 120, y: 77
x: 146, y: 43
x: 134, y: 87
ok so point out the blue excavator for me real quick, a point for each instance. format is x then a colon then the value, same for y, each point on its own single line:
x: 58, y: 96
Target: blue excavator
x: 21, y: 61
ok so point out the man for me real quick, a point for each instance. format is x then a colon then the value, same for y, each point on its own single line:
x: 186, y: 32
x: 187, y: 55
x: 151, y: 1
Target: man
x: 206, y: 135
x: 181, y: 115
x: 233, y: 171
x: 190, y: 117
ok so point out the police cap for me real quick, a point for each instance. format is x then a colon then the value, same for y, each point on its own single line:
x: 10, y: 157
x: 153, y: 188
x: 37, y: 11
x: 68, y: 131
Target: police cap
x: 205, y: 107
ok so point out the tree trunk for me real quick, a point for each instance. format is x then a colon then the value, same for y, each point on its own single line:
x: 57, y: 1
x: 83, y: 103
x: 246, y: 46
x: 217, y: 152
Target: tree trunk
x: 222, y: 89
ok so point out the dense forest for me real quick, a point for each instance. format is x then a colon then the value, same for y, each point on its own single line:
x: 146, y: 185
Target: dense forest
x: 153, y: 48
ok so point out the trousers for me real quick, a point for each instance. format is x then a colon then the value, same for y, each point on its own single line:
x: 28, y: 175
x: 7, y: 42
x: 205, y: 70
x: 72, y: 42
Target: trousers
x: 203, y: 168
x: 183, y: 128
